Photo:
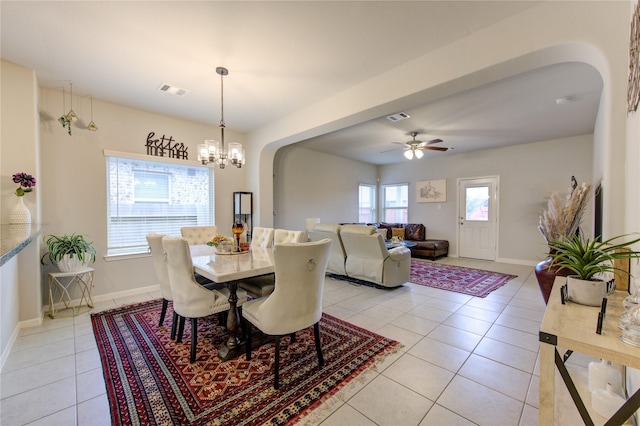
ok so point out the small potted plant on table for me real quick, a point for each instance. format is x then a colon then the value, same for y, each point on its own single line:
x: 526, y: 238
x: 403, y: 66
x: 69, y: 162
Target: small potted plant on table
x: 222, y: 243
x: 590, y: 260
x: 71, y: 253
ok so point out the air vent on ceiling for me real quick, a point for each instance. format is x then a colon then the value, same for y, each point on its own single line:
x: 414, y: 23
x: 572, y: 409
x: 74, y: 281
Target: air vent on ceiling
x: 173, y: 90
x: 398, y: 117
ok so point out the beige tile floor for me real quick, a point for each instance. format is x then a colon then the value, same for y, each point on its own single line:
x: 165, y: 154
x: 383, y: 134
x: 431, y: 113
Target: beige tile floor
x: 465, y: 360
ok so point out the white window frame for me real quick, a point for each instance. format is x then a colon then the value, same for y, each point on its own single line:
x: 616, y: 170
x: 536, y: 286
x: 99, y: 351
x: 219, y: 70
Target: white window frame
x: 386, y: 208
x: 372, y: 189
x: 199, y: 210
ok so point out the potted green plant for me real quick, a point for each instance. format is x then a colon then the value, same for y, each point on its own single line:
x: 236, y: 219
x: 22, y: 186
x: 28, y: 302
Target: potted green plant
x: 71, y: 253
x: 590, y: 260
x: 561, y: 220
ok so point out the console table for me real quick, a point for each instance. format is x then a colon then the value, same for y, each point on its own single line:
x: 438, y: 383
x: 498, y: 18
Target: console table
x: 61, y: 282
x: 572, y: 327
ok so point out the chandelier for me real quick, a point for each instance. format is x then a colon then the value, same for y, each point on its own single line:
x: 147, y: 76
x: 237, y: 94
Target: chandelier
x: 212, y: 151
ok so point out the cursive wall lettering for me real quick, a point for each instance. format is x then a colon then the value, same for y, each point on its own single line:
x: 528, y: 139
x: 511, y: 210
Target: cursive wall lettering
x: 166, y: 147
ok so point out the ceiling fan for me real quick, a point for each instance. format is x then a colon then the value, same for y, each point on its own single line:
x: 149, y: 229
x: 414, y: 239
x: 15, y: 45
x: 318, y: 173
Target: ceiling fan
x: 415, y: 147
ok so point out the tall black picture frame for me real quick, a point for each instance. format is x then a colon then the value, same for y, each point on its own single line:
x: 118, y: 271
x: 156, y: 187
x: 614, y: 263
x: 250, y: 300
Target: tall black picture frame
x: 243, y: 210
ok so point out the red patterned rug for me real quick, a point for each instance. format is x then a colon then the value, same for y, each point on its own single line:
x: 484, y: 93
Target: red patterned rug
x: 149, y: 379
x: 474, y: 282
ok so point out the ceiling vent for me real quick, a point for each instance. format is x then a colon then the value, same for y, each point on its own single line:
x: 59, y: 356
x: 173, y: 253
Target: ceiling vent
x: 398, y: 117
x: 167, y: 88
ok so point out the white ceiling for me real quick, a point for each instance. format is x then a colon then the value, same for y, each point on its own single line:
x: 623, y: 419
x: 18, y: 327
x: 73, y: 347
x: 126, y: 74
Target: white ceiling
x: 283, y: 56
x: 512, y: 111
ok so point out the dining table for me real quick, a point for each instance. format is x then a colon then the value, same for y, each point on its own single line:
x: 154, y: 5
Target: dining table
x: 230, y: 268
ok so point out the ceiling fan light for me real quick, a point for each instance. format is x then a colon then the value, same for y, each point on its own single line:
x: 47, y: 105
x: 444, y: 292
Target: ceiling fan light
x: 408, y: 154
x: 418, y: 154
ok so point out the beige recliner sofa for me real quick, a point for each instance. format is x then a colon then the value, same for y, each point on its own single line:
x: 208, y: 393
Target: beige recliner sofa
x: 368, y: 259
x: 337, y: 255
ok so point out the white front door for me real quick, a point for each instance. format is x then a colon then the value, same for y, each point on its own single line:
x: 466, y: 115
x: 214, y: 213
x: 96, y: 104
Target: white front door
x: 478, y: 218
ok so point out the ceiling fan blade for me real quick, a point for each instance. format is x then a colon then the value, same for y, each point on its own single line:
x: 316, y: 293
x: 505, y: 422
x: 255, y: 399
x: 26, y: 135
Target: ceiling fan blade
x: 436, y: 148
x: 399, y: 143
x: 434, y: 141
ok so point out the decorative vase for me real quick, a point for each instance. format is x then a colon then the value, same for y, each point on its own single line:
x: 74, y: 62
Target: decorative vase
x: 546, y: 276
x: 20, y: 213
x: 18, y: 232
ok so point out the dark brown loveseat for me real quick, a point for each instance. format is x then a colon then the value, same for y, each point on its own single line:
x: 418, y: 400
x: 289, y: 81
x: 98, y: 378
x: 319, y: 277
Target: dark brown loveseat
x: 415, y: 232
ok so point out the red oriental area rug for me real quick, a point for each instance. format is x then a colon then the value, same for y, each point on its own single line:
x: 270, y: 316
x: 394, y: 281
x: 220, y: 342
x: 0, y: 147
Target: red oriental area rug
x: 149, y: 379
x: 474, y: 282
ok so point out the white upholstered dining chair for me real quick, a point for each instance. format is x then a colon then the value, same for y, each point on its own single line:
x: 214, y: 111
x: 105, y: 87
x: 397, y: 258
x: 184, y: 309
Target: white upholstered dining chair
x: 262, y: 237
x: 198, y: 234
x: 263, y: 286
x: 259, y: 286
x: 190, y: 299
x: 162, y: 274
x: 282, y: 236
x: 296, y: 302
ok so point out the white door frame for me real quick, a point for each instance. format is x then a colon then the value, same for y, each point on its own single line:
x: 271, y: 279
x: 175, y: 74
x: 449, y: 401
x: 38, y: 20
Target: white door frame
x: 495, y: 204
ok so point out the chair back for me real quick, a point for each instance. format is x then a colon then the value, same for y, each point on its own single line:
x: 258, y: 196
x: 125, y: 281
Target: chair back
x: 366, y: 252
x: 363, y: 240
x: 160, y: 264
x: 282, y: 236
x: 198, y: 234
x: 262, y: 237
x: 190, y: 299
x: 337, y: 256
x: 296, y: 302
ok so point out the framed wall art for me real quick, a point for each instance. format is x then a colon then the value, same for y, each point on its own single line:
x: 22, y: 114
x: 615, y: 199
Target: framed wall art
x: 432, y: 191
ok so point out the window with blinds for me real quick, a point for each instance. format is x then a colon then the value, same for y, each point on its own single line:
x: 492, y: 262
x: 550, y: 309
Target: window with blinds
x: 146, y: 196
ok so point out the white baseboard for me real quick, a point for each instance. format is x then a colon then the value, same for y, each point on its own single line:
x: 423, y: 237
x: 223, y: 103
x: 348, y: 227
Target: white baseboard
x: 126, y: 293
x: 101, y: 298
x: 34, y: 322
x: 517, y: 261
x: 12, y: 340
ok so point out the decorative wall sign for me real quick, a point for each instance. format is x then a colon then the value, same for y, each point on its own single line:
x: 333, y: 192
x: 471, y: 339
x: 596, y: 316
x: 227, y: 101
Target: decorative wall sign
x: 166, y: 147
x: 432, y: 191
x: 633, y: 91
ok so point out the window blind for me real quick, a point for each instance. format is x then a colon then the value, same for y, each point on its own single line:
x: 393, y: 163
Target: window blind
x: 146, y: 196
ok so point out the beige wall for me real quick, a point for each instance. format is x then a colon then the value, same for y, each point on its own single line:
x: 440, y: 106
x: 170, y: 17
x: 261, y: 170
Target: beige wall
x: 312, y: 184
x: 73, y: 177
x: 595, y: 33
x: 20, y: 288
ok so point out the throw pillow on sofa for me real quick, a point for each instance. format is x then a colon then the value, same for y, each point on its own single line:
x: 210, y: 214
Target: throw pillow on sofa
x: 397, y: 232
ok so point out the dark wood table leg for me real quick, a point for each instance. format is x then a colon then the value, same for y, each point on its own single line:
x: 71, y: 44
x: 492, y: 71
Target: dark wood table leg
x: 232, y: 348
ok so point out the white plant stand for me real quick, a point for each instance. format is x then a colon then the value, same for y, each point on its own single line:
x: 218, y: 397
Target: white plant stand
x: 59, y: 285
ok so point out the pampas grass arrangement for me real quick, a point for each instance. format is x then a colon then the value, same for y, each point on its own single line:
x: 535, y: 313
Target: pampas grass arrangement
x: 563, y: 216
